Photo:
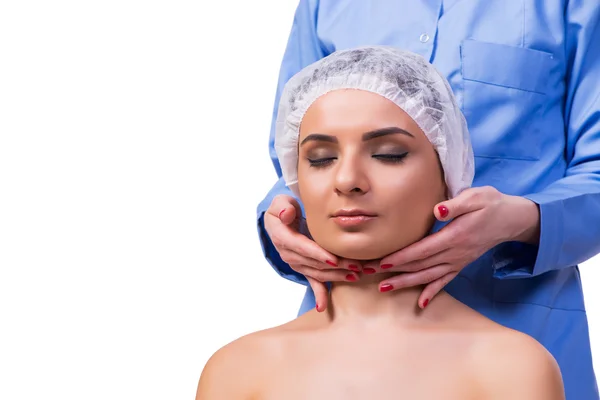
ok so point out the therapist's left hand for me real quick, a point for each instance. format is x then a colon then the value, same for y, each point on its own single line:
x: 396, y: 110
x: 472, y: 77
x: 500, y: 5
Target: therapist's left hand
x: 481, y: 218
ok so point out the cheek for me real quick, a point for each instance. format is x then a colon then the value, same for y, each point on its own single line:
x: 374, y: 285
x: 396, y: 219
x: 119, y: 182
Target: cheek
x: 417, y: 182
x: 409, y: 197
x: 410, y: 185
x: 313, y: 187
x: 315, y: 191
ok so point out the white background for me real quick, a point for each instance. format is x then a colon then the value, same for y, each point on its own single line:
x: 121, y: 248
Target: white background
x: 133, y: 153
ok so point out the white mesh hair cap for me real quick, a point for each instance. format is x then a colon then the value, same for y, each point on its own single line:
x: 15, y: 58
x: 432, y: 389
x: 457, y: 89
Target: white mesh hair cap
x: 402, y: 77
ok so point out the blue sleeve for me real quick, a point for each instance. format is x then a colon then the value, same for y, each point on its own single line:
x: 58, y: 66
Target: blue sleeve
x: 303, y: 48
x: 570, y: 207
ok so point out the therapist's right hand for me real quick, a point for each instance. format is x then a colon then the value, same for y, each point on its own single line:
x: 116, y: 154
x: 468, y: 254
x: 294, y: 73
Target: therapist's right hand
x: 303, y: 255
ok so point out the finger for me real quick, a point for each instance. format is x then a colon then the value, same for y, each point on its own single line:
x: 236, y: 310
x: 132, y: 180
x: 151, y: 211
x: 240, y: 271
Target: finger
x: 288, y: 215
x: 433, y: 288
x: 286, y: 238
x: 352, y: 265
x: 418, y: 265
x: 372, y: 267
x: 328, y: 275
x: 468, y: 200
x: 426, y: 247
x: 310, y: 249
x: 286, y: 208
x: 321, y: 294
x: 412, y: 279
x: 293, y: 258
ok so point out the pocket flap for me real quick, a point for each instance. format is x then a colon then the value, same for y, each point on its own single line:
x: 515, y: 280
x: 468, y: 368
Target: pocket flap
x: 509, y: 66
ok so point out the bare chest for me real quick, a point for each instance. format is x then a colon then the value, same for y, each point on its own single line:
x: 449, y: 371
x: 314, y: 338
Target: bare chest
x: 399, y: 373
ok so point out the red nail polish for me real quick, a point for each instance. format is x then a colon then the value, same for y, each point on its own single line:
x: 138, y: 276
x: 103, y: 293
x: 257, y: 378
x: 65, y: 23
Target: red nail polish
x: 369, y: 271
x: 443, y: 211
x: 386, y: 266
x: 354, y: 268
x: 425, y: 303
x: 351, y: 277
x: 385, y: 288
x: 281, y: 212
x: 331, y: 263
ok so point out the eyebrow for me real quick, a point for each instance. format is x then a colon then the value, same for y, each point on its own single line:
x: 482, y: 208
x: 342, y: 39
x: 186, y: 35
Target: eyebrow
x: 366, y: 136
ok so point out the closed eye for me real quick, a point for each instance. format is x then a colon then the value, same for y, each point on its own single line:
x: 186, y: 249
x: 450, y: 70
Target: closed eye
x: 321, y: 162
x: 391, y: 158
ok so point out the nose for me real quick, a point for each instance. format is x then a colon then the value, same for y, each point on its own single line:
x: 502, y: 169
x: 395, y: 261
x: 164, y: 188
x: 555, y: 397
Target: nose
x: 350, y: 177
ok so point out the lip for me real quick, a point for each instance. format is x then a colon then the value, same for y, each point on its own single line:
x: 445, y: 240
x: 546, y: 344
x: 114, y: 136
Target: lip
x: 355, y: 212
x: 352, y: 218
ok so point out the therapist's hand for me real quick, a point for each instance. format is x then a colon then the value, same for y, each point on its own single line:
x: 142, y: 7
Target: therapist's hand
x: 282, y: 221
x: 481, y: 219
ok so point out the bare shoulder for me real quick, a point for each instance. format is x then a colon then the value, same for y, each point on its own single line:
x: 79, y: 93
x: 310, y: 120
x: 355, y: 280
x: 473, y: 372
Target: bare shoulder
x: 242, y: 368
x: 513, y: 365
x: 229, y: 372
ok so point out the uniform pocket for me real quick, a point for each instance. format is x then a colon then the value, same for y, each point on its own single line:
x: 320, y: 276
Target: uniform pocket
x: 504, y: 93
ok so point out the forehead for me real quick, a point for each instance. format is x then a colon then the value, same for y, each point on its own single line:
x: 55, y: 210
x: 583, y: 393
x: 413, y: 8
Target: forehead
x: 348, y: 111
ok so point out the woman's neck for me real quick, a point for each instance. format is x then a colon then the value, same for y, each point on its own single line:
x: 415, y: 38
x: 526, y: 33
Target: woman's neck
x: 363, y: 302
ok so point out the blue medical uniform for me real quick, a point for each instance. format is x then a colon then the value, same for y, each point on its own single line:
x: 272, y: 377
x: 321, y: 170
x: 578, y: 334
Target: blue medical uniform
x: 527, y: 76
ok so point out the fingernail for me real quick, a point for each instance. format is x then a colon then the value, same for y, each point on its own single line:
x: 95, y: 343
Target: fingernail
x: 443, y: 211
x: 351, y: 277
x: 281, y: 212
x: 386, y: 266
x: 385, y: 288
x: 425, y: 303
x: 317, y: 307
x: 369, y: 271
x: 354, y: 268
x: 331, y: 263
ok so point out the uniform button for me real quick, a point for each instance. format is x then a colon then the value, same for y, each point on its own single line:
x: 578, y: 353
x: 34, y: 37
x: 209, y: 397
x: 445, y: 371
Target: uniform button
x: 424, y: 38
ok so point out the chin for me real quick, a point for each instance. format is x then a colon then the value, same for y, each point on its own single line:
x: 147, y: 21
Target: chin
x: 360, y: 254
x: 361, y: 250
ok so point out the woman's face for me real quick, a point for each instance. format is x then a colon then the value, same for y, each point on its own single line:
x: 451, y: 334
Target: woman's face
x: 367, y: 175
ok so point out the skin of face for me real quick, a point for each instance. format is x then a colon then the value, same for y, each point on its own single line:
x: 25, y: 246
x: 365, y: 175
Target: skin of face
x: 367, y: 175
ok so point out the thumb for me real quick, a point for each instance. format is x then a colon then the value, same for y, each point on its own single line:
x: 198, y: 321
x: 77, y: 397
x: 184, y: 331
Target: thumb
x: 462, y: 204
x: 288, y: 209
x: 287, y: 215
